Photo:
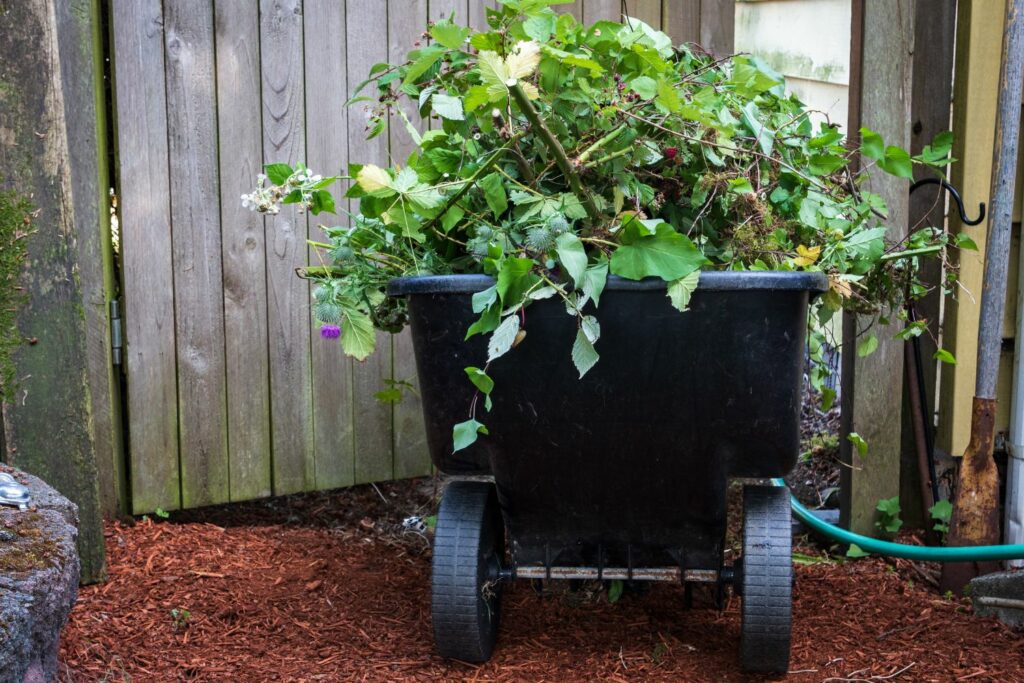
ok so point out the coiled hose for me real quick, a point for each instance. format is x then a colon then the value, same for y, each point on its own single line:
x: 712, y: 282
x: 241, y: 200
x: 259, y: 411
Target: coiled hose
x: 975, y: 553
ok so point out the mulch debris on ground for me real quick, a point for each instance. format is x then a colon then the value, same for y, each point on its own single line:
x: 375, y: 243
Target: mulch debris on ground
x: 333, y: 587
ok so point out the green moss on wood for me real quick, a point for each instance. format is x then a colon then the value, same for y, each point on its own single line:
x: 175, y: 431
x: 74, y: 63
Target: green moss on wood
x: 15, y: 226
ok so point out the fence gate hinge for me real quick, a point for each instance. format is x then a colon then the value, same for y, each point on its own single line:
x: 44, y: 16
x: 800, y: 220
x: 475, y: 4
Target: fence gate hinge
x: 116, y: 336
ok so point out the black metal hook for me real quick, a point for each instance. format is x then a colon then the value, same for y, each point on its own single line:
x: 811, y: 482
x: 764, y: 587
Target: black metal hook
x: 956, y: 198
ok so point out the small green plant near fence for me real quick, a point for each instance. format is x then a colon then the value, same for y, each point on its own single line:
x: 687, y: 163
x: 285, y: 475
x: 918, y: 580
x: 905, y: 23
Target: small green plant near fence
x: 15, y: 225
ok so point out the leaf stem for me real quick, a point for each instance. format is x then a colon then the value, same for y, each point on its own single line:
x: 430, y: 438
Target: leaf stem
x: 907, y: 253
x: 557, y: 151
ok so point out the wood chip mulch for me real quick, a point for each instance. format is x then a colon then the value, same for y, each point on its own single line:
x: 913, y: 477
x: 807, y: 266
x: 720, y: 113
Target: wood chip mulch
x: 329, y: 587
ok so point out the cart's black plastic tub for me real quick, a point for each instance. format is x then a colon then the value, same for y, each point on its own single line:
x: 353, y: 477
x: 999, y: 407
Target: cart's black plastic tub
x: 629, y: 465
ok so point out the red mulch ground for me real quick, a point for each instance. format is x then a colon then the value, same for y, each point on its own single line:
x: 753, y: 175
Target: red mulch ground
x: 328, y: 587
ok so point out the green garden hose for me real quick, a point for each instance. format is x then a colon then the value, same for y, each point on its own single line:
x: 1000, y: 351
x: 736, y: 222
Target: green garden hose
x: 975, y: 553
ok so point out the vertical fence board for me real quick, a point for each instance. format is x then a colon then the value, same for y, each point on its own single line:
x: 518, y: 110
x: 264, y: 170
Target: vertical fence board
x: 146, y: 254
x: 647, y: 11
x: 407, y: 20
x: 478, y: 13
x: 243, y: 251
x: 195, y: 238
x: 596, y: 10
x: 575, y: 9
x: 718, y: 26
x: 281, y: 54
x: 327, y: 154
x: 372, y: 420
x: 681, y: 20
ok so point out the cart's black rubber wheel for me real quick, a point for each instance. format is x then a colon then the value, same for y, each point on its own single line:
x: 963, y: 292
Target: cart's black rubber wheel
x: 766, y: 579
x: 469, y: 543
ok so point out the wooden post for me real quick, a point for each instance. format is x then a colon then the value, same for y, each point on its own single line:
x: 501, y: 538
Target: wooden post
x: 63, y: 424
x: 880, y: 86
x: 934, y: 41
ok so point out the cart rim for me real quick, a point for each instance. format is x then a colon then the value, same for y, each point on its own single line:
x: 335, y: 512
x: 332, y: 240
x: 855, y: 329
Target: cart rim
x: 715, y: 281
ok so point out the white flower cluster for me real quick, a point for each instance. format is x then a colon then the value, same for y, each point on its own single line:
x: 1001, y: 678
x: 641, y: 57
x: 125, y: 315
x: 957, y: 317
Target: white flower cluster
x: 267, y: 199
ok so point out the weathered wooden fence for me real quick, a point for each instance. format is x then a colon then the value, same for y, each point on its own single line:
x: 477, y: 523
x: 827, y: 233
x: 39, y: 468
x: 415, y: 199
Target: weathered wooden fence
x: 231, y: 394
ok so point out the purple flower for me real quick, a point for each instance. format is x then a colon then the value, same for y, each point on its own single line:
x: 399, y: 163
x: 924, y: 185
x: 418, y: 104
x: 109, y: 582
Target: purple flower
x: 330, y: 331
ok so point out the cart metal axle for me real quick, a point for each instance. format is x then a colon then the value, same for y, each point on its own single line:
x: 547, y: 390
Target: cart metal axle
x: 613, y: 573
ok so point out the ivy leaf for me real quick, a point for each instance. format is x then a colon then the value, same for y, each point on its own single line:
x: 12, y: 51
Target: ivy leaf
x: 357, y: 336
x: 583, y: 353
x: 503, y: 338
x: 665, y: 254
x: 572, y: 256
x: 867, y: 346
x: 680, y: 291
x: 448, y: 34
x: 465, y: 434
x: 494, y: 193
x: 447, y: 106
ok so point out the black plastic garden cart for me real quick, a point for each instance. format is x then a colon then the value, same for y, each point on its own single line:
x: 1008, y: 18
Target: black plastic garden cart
x: 622, y: 474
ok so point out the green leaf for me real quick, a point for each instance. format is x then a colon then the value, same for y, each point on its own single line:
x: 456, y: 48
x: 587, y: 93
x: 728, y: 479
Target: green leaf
x: 594, y: 280
x: 514, y: 279
x: 487, y: 322
x: 871, y: 144
x: 591, y: 328
x: 867, y: 346
x: 480, y: 379
x: 447, y: 106
x: 668, y: 97
x: 665, y: 254
x: 448, y: 34
x: 572, y: 256
x: 389, y: 396
x: 583, y: 353
x: 680, y: 291
x: 428, y: 57
x: 465, y: 434
x: 278, y: 173
x: 963, y: 241
x: 615, y: 587
x: 825, y: 164
x: 540, y: 26
x: 942, y: 511
x: 503, y: 338
x: 856, y: 552
x: 644, y: 86
x: 897, y: 162
x: 494, y: 193
x: 945, y: 356
x: 828, y: 398
x: 357, y: 336
x: 858, y: 441
x: 765, y: 135
x: 740, y: 186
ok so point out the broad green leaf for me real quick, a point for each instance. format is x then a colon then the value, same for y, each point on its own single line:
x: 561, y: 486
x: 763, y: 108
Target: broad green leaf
x: 428, y: 57
x: 765, y: 135
x: 858, y: 441
x: 503, y: 338
x: 480, y: 379
x: 680, y: 291
x: 357, y: 335
x: 591, y: 328
x: 540, y: 26
x: 867, y: 346
x: 447, y: 106
x: 515, y: 279
x: 448, y: 34
x: 483, y: 299
x: 465, y: 434
x: 897, y: 162
x: 572, y: 256
x: 374, y: 180
x: 668, y: 97
x: 828, y: 398
x: 644, y: 86
x: 945, y: 356
x: 477, y: 96
x: 615, y: 588
x: 278, y: 173
x: 855, y: 551
x: 494, y: 193
x: 740, y: 186
x: 871, y: 144
x: 666, y: 254
x: 583, y: 353
x: 594, y: 280
x: 487, y: 322
x: 963, y: 241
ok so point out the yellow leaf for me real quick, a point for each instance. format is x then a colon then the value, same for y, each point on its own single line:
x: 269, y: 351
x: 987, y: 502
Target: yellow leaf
x: 840, y: 287
x: 806, y: 256
x: 530, y: 90
x: 493, y: 73
x: 373, y: 178
x: 524, y: 59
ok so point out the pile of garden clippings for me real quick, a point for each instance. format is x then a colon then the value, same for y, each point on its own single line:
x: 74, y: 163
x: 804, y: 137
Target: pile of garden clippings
x: 333, y: 587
